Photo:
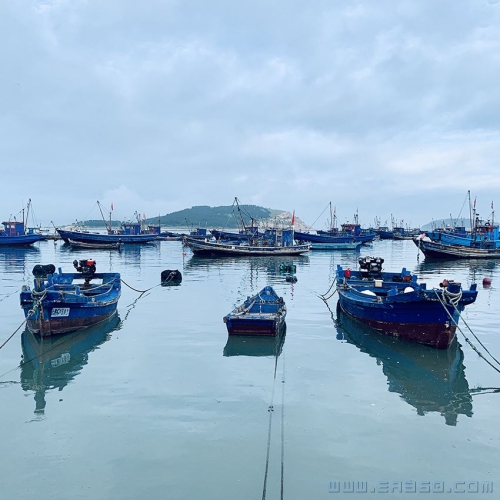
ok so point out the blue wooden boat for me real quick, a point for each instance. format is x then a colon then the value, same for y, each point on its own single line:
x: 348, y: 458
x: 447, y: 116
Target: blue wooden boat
x: 261, y: 314
x: 65, y: 302
x: 396, y: 304
x: 16, y: 234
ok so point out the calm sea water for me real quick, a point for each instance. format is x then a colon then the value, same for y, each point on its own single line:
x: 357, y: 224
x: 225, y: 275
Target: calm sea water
x: 162, y: 405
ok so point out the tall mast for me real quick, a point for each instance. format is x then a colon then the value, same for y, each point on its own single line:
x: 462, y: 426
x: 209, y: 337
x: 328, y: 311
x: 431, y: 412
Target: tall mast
x: 104, y: 219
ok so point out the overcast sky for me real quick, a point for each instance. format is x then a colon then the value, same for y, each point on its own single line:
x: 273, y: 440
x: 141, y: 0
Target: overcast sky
x: 385, y: 107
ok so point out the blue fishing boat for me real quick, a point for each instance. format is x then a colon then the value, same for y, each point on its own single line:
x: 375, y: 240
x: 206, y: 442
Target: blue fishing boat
x: 274, y: 242
x: 481, y: 233
x: 65, y: 302
x: 477, y: 250
x: 261, y: 314
x: 128, y: 232
x: 349, y: 237
x: 15, y: 233
x: 396, y: 304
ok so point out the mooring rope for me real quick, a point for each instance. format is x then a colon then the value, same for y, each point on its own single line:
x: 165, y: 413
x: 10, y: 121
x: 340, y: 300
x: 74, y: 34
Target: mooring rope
x: 139, y: 291
x: 271, y: 411
x: 282, y: 428
x: 465, y: 336
x: 15, y: 331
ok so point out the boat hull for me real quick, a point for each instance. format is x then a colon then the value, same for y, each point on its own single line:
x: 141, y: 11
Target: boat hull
x: 255, y: 325
x: 51, y: 327
x: 214, y: 249
x: 21, y: 240
x: 438, y: 333
x: 78, y: 236
x: 94, y: 246
x: 444, y: 251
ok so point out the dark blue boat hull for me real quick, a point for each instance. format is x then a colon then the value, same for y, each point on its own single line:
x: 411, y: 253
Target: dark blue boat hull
x: 105, y: 238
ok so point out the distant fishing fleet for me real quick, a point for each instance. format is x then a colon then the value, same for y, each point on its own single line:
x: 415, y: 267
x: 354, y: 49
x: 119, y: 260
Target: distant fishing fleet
x: 394, y: 303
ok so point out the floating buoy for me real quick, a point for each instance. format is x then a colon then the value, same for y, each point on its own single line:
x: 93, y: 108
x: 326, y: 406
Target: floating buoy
x: 171, y: 277
x: 486, y: 282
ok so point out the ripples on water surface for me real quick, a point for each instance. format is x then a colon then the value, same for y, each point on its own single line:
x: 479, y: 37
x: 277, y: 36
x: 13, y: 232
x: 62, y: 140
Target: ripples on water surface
x: 161, y: 404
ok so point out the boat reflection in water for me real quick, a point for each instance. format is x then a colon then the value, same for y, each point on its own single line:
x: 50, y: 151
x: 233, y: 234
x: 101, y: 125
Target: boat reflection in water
x: 430, y: 380
x: 52, y: 363
x: 255, y: 345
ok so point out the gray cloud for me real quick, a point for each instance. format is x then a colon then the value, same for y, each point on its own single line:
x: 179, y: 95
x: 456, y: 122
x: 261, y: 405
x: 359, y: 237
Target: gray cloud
x: 382, y: 107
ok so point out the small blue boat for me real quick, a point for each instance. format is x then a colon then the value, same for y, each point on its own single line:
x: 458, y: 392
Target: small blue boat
x: 65, y: 302
x: 261, y: 314
x: 396, y: 304
x: 16, y: 234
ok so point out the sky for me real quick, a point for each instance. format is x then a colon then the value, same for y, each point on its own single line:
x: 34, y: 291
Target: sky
x: 383, y: 108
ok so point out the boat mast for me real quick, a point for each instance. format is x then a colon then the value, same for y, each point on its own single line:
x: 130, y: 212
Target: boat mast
x: 104, y: 219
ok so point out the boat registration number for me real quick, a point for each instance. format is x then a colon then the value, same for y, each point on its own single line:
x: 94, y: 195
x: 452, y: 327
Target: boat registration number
x: 59, y: 312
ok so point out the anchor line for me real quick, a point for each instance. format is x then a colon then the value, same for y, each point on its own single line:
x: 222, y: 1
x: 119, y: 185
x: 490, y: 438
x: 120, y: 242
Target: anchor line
x: 282, y: 429
x: 328, y: 291
x: 269, y: 431
x: 15, y: 331
x: 465, y: 336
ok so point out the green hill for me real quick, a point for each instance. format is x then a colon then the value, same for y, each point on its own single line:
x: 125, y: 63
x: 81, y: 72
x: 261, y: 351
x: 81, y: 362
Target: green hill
x: 224, y: 216
x: 205, y: 216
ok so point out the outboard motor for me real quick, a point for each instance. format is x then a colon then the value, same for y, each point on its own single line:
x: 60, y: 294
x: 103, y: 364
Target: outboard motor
x: 41, y: 271
x: 171, y: 277
x: 370, y: 266
x: 87, y: 267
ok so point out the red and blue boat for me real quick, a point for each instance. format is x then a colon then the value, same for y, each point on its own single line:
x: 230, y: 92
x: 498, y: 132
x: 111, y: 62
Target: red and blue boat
x: 396, y: 304
x: 61, y: 303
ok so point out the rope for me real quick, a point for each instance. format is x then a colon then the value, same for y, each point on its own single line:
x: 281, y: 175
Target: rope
x: 465, y: 337
x: 271, y: 411
x: 282, y: 429
x: 135, y: 289
x: 15, y: 331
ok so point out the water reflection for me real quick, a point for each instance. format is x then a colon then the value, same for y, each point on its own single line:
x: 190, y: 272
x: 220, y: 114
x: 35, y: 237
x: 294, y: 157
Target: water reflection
x: 252, y: 345
x: 430, y: 380
x: 52, y: 363
x: 15, y: 259
x: 430, y: 266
